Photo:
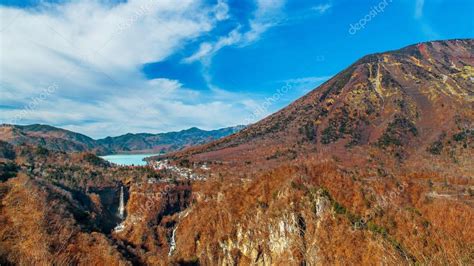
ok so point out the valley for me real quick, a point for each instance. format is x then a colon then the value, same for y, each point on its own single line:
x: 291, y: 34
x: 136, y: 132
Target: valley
x: 373, y: 167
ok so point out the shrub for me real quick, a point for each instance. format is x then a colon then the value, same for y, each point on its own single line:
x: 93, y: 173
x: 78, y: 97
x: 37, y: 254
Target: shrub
x: 94, y: 160
x: 8, y: 170
x: 309, y: 130
x: 40, y: 150
x: 397, y: 132
x: 6, y: 150
x: 463, y: 136
x: 436, y: 148
x: 185, y: 163
x: 376, y: 229
x: 339, y: 208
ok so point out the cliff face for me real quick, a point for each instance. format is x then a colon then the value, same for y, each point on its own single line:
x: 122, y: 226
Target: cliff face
x: 276, y: 231
x: 153, y: 212
x: 318, y: 213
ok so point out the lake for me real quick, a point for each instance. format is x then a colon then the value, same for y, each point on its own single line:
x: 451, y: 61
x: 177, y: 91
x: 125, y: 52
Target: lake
x: 127, y: 159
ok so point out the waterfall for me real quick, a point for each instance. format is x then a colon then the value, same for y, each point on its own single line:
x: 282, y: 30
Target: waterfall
x: 173, y: 242
x: 121, y: 209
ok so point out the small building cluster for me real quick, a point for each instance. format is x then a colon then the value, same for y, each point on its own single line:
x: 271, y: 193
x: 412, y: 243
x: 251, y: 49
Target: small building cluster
x: 182, y: 172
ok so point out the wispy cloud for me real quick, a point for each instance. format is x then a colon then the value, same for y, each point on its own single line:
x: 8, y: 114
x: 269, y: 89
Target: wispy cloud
x: 222, y: 10
x: 267, y: 15
x: 306, y: 84
x: 207, y: 49
x: 322, y: 8
x: 419, y: 8
x: 425, y: 24
x: 314, y: 79
x: 429, y: 31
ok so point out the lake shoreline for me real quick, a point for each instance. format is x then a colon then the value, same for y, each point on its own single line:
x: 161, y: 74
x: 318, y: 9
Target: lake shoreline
x: 129, y: 159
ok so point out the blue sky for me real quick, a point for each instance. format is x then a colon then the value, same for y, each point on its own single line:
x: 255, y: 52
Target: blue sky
x: 107, y: 68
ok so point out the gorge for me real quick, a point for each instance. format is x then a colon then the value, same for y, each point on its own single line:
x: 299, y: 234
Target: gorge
x: 373, y: 167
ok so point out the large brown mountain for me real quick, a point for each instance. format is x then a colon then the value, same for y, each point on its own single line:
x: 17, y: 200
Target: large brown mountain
x: 411, y: 106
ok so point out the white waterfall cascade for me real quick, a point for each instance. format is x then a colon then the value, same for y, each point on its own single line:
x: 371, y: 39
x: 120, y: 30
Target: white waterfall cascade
x: 121, y: 209
x: 173, y: 242
x: 181, y: 215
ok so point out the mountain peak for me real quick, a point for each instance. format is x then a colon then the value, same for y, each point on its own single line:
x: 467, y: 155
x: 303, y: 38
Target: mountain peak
x: 192, y: 129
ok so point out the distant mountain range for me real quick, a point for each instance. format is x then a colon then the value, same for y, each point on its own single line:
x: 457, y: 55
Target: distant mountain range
x: 64, y: 140
x: 164, y: 142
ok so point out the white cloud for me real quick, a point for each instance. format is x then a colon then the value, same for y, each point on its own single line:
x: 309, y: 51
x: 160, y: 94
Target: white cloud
x: 162, y: 105
x: 321, y: 9
x: 426, y: 26
x: 222, y: 10
x: 306, y: 84
x: 207, y: 49
x: 93, y: 52
x: 267, y: 15
x: 267, y: 8
x: 419, y: 8
x: 314, y: 79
